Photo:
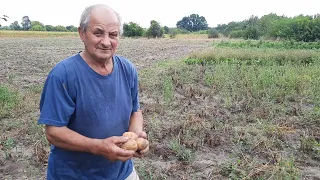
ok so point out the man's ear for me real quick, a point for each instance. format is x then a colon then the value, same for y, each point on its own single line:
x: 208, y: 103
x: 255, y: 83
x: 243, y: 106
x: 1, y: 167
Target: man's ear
x: 81, y: 33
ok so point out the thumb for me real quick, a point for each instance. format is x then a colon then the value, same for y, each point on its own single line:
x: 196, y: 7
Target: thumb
x: 119, y: 139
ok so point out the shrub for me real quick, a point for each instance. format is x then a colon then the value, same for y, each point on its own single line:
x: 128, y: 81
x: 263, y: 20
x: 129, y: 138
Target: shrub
x: 236, y: 34
x: 213, y: 33
x: 132, y: 30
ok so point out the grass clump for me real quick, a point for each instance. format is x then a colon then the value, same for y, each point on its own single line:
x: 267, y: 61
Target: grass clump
x: 286, y: 44
x: 9, y: 99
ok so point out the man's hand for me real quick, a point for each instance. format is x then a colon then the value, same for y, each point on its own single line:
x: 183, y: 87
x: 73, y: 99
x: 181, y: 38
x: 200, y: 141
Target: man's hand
x: 139, y: 154
x: 142, y: 134
x: 70, y: 140
x: 109, y: 148
x: 142, y: 153
x: 136, y: 126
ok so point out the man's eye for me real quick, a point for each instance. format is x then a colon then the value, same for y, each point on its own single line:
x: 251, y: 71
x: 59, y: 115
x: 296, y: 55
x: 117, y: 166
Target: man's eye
x: 98, y: 33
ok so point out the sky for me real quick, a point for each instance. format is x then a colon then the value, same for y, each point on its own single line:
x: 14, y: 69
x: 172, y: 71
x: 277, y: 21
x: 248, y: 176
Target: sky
x: 166, y: 12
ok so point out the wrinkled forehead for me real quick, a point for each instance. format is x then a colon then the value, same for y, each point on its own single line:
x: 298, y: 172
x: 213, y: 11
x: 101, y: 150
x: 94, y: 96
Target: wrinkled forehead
x: 104, y: 16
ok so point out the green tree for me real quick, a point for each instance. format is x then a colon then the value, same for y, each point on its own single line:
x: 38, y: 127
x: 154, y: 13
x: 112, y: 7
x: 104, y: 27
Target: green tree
x: 132, y: 29
x: 298, y: 28
x: 37, y: 26
x: 60, y: 28
x: 302, y: 28
x: 154, y: 30
x: 265, y: 22
x: 192, y: 23
x: 15, y: 26
x: 72, y: 28
x: 250, y: 28
x: 226, y: 29
x: 316, y: 27
x: 49, y: 28
x: 166, y: 29
x: 26, y: 23
x: 33, y: 23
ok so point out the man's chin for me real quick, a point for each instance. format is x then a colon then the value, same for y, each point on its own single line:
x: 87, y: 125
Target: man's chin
x: 104, y: 57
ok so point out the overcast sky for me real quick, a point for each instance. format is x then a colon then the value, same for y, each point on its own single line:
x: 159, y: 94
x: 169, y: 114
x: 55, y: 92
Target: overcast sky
x: 166, y: 12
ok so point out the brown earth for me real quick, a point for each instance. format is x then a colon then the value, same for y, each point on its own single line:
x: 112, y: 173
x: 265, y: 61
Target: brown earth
x: 30, y: 59
x: 25, y: 63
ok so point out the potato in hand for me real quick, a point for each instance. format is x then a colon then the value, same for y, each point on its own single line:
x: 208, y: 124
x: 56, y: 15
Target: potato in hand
x: 135, y: 143
x: 130, y: 135
x: 130, y: 145
x: 142, y: 143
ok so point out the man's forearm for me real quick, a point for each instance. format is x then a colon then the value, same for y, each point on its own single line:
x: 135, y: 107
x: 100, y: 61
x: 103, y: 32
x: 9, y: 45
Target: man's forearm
x: 67, y: 139
x: 136, y: 122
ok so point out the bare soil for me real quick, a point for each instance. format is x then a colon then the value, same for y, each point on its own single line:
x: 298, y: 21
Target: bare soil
x: 28, y: 60
x: 25, y: 63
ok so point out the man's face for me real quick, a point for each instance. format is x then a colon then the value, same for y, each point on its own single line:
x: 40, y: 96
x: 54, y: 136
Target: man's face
x: 102, y: 35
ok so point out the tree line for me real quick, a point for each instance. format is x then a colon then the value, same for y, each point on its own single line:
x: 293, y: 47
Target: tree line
x: 299, y: 28
x: 28, y: 25
x: 304, y: 28
x: 191, y: 23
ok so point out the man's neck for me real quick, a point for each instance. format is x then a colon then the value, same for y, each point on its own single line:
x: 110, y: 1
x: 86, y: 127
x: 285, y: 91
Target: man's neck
x: 101, y: 67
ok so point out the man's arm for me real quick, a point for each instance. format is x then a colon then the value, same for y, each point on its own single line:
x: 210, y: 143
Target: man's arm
x: 65, y: 138
x: 136, y: 124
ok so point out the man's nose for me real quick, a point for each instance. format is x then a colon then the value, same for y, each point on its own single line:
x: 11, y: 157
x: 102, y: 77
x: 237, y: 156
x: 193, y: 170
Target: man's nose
x: 106, y: 40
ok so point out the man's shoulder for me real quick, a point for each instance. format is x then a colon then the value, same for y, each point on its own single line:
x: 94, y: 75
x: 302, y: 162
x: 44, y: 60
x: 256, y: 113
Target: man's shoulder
x: 126, y: 64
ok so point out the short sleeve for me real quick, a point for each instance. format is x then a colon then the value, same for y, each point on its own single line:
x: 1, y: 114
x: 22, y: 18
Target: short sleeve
x: 56, y: 106
x: 135, y: 92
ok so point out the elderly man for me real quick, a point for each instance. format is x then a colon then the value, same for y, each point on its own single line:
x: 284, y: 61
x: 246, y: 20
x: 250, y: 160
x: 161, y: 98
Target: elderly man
x: 88, y: 101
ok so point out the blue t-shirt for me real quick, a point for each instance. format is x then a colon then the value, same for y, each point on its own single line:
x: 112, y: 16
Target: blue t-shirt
x: 96, y: 106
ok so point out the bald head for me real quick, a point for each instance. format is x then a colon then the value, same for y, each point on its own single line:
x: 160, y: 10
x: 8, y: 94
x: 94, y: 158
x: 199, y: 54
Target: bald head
x: 95, y: 10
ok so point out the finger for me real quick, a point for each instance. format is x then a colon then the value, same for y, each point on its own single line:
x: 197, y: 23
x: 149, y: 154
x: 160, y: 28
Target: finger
x: 122, y: 152
x: 137, y: 155
x: 119, y: 139
x: 144, y: 151
x: 142, y: 134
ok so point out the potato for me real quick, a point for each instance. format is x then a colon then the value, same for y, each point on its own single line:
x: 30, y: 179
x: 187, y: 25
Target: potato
x: 142, y: 143
x: 130, y: 145
x: 144, y: 151
x: 130, y: 135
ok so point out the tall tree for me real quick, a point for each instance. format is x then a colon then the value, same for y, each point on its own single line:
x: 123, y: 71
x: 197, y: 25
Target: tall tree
x: 26, y: 23
x: 194, y: 22
x: 15, y: 26
x: 154, y: 30
x: 266, y: 21
x: 166, y: 29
